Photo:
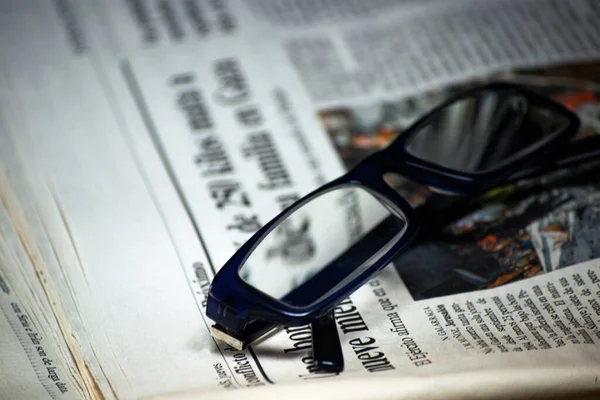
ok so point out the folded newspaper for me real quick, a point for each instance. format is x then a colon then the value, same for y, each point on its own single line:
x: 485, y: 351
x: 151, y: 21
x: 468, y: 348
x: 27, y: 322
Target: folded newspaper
x: 142, y: 142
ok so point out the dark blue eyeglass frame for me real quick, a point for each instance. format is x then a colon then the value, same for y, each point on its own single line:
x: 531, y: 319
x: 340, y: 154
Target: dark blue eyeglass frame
x: 242, y: 311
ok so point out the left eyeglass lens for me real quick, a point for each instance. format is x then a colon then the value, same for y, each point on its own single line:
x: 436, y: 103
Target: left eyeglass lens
x: 323, y: 245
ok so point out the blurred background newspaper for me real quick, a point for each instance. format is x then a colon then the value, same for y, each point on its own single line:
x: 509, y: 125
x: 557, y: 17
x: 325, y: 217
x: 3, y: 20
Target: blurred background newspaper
x: 142, y: 142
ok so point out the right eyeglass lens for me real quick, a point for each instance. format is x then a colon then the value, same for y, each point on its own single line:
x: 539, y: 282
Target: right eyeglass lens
x: 323, y: 245
x: 485, y: 130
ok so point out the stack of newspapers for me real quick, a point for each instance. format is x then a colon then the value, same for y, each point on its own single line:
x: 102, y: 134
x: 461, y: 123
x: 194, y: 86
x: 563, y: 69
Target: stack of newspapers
x: 142, y: 142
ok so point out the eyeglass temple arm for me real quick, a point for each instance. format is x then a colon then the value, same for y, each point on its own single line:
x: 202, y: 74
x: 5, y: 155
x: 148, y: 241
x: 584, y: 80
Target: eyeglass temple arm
x: 577, y: 151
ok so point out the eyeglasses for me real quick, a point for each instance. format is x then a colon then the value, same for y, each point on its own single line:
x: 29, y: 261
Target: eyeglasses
x: 326, y: 245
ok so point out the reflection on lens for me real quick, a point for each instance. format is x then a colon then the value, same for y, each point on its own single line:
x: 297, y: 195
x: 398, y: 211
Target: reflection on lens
x: 484, y: 131
x: 323, y: 245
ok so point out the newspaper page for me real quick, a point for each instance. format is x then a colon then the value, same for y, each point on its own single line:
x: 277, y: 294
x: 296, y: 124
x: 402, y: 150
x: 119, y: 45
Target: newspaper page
x: 36, y: 360
x: 29, y: 368
x: 392, y: 56
x: 28, y: 355
x: 155, y: 151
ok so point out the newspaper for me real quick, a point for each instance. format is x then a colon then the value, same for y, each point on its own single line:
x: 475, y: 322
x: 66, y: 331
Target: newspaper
x: 143, y: 130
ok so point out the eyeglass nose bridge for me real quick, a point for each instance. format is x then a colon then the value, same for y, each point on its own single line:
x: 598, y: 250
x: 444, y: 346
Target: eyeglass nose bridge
x: 377, y: 166
x: 408, y: 166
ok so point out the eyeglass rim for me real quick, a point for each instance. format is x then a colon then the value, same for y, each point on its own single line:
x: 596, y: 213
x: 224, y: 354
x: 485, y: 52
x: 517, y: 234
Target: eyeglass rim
x: 466, y: 183
x: 239, y: 296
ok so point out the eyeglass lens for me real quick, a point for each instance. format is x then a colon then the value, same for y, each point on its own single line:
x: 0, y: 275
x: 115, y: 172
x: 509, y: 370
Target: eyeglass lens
x: 312, y: 252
